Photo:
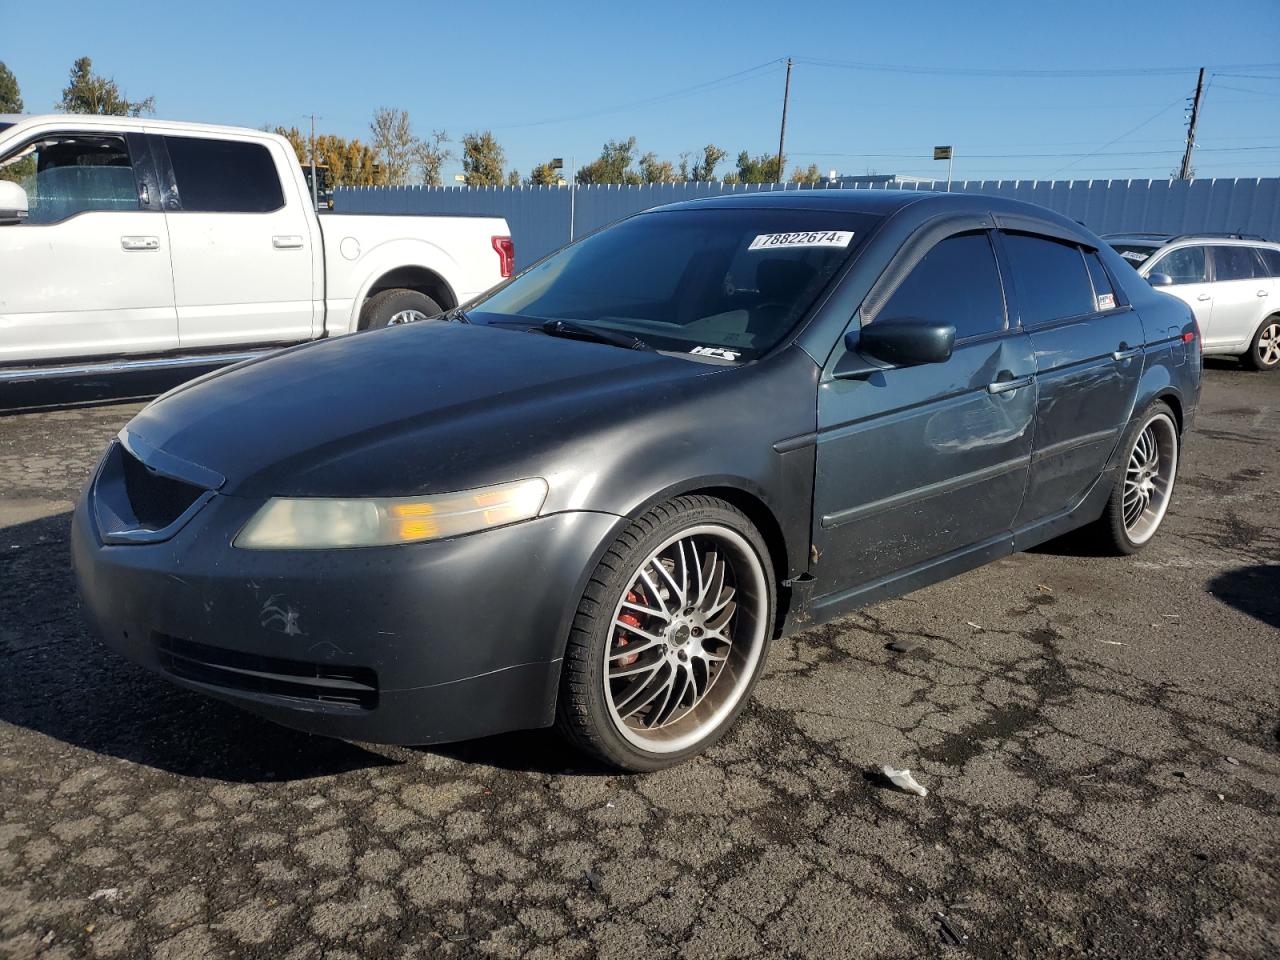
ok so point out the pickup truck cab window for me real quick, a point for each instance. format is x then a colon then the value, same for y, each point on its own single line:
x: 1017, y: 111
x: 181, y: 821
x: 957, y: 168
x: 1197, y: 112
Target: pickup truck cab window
x: 956, y: 283
x: 1053, y: 282
x: 224, y: 176
x: 68, y: 174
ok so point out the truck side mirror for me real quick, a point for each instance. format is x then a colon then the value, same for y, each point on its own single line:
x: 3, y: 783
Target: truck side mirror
x: 13, y: 203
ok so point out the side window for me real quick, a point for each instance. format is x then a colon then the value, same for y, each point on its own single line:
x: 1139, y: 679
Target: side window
x: 64, y: 175
x: 1270, y: 259
x: 224, y: 176
x: 1235, y: 263
x: 1053, y: 282
x: 1104, y: 294
x: 957, y: 283
x: 1184, y: 265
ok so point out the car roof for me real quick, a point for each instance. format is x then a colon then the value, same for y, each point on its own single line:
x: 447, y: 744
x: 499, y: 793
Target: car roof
x: 91, y: 121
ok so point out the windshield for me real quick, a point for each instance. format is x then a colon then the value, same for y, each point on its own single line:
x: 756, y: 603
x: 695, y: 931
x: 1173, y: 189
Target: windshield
x: 1135, y: 253
x: 726, y: 284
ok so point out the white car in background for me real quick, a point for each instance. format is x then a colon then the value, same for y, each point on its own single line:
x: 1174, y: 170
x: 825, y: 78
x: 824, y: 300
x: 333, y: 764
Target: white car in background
x: 1229, y: 280
x: 133, y: 243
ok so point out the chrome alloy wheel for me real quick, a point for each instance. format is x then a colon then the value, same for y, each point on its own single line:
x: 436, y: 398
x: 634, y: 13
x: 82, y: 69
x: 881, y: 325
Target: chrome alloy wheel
x: 1269, y: 344
x: 1148, y: 478
x: 685, y: 638
x: 406, y: 316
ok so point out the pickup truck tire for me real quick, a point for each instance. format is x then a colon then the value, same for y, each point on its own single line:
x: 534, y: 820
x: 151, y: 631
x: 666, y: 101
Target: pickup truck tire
x: 397, y: 306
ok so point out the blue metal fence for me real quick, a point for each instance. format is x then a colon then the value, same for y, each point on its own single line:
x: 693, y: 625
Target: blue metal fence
x: 539, y: 216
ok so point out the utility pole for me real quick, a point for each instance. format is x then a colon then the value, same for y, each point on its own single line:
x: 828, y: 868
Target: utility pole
x: 573, y: 192
x: 782, y: 135
x: 1185, y: 172
x: 315, y: 193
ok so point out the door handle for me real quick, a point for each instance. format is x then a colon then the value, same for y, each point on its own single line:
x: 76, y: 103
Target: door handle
x: 140, y: 243
x: 1204, y: 298
x: 287, y: 243
x: 1125, y: 352
x: 1007, y: 386
x: 1262, y: 293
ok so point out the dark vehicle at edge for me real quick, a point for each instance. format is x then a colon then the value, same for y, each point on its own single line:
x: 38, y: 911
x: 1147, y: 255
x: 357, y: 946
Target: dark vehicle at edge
x: 595, y: 497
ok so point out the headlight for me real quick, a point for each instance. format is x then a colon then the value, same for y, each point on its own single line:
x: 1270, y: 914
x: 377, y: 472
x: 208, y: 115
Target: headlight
x: 305, y: 523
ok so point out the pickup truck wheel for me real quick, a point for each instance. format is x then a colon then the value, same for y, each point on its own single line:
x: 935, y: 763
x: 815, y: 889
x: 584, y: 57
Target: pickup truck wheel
x: 669, y: 637
x: 392, y: 307
x: 1264, y: 352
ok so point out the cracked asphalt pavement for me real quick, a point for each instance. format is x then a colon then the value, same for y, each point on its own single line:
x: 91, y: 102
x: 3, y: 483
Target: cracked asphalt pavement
x: 1100, y: 738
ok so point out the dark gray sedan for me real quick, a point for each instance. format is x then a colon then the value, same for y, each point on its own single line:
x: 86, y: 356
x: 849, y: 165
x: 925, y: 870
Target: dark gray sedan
x: 595, y: 496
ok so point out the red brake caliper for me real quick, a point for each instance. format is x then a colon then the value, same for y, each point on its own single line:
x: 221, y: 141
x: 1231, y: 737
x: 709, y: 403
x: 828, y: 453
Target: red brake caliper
x: 631, y: 620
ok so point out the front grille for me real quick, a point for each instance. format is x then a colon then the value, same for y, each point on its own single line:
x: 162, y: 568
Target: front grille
x: 156, y: 500
x: 275, y: 676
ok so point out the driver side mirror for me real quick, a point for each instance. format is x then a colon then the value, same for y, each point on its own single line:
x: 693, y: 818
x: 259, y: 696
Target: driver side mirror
x: 1160, y: 280
x: 885, y: 344
x: 13, y: 203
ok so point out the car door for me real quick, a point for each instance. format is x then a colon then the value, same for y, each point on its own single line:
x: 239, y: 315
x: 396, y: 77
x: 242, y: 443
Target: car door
x: 242, y: 257
x: 919, y: 463
x: 1242, y: 294
x: 1188, y: 268
x: 88, y: 272
x: 1088, y: 347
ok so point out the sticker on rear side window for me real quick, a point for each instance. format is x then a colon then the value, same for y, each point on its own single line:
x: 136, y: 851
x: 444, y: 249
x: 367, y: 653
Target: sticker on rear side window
x: 1134, y: 255
x: 1106, y: 301
x: 812, y: 238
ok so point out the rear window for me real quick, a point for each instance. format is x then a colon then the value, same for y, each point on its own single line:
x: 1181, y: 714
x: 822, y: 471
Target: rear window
x: 1052, y: 281
x: 727, y: 284
x: 224, y: 176
x: 1235, y: 263
x: 1270, y: 259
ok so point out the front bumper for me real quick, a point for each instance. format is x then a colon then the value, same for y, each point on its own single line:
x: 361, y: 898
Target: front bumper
x: 421, y: 643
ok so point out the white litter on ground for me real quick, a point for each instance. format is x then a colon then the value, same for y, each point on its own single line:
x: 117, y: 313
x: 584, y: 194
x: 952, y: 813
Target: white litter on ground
x: 903, y: 780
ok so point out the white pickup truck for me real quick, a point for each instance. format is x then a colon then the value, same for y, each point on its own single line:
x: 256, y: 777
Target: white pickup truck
x: 133, y: 243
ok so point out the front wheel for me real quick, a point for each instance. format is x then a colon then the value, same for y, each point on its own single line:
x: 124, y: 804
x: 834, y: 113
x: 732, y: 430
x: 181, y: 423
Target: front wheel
x: 1264, y: 351
x: 670, y: 636
x: 1143, y: 490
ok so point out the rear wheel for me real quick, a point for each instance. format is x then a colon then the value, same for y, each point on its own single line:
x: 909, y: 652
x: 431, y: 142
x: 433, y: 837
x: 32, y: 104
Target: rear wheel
x: 393, y: 307
x: 1144, y: 488
x: 1264, y: 351
x: 670, y: 636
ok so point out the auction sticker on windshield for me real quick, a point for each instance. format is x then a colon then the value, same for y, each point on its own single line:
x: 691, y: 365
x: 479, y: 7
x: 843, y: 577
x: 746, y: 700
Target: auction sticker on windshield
x: 813, y: 238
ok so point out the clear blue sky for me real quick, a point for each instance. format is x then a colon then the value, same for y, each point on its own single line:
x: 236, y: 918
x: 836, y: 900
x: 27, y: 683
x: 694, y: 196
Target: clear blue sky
x: 511, y: 67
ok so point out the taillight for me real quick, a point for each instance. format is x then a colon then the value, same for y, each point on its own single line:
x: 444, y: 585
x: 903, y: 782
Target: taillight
x: 506, y: 251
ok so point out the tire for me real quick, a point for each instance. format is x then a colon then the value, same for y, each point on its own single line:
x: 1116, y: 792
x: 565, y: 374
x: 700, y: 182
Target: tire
x: 1151, y: 444
x: 384, y: 309
x: 1264, y: 351
x: 711, y: 637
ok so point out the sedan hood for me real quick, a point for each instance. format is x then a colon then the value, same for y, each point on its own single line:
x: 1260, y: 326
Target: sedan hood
x: 421, y: 408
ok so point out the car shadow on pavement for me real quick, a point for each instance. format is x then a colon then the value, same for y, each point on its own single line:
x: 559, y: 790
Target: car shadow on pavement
x: 1254, y: 590
x: 58, y: 679
x: 524, y: 751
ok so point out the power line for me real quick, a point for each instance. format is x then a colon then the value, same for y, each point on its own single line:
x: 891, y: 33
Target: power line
x: 1017, y: 72
x: 1151, y: 119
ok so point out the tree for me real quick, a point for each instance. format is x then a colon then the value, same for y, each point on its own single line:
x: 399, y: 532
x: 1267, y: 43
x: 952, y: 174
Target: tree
x: 10, y: 95
x: 545, y: 175
x: 761, y: 169
x: 613, y: 165
x: 350, y: 163
x: 706, y: 168
x: 653, y: 170
x: 86, y: 92
x: 513, y: 178
x: 432, y: 156
x: 296, y: 140
x: 482, y: 159
x: 394, y: 143
x: 809, y: 178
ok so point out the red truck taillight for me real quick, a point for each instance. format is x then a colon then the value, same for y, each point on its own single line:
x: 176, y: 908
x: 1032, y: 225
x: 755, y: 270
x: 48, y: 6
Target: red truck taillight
x: 506, y: 251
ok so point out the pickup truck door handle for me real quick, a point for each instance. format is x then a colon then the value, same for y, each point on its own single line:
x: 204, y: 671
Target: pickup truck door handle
x: 1262, y: 293
x: 1204, y: 297
x: 287, y: 243
x: 140, y: 243
x: 1125, y: 352
x: 1009, y: 385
